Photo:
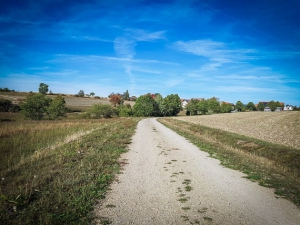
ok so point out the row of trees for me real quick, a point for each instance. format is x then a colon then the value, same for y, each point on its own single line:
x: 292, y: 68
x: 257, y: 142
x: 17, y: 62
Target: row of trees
x: 204, y: 106
x: 145, y: 105
x: 212, y: 105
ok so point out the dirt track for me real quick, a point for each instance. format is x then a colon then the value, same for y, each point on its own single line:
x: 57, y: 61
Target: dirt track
x: 167, y: 180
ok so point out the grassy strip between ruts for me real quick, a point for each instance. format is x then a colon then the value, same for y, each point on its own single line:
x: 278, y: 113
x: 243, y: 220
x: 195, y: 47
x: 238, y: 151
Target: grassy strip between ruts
x: 271, y: 165
x: 59, y: 181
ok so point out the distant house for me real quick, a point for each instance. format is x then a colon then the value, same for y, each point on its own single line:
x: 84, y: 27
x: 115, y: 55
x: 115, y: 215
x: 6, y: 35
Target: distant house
x: 184, y: 102
x: 132, y: 98
x: 288, y: 108
x: 278, y: 109
x: 267, y: 109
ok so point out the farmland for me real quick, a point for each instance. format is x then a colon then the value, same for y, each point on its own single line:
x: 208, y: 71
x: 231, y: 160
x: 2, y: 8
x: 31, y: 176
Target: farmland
x: 277, y: 127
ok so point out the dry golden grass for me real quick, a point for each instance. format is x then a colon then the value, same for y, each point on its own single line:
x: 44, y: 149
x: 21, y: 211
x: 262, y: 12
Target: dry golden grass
x: 276, y: 127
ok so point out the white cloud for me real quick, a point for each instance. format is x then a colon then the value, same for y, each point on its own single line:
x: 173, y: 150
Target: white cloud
x: 124, y: 47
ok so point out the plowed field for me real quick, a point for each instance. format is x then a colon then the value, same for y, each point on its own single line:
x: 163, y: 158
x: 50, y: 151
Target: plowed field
x: 277, y: 127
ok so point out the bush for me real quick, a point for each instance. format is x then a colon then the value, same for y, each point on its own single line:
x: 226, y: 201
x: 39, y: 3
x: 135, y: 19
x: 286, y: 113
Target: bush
x: 57, y: 108
x: 36, y: 106
x: 97, y: 111
x: 5, y: 105
x: 125, y: 110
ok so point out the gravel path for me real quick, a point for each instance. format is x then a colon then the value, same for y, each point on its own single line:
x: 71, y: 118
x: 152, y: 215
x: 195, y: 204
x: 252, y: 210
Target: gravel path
x: 167, y: 180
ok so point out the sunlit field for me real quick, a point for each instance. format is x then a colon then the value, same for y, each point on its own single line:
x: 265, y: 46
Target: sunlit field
x: 277, y: 127
x: 52, y: 172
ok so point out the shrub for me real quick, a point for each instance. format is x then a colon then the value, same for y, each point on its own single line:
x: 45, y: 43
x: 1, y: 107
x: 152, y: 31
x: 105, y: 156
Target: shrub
x: 97, y: 111
x: 35, y: 106
x: 125, y: 110
x: 5, y: 105
x: 57, y: 108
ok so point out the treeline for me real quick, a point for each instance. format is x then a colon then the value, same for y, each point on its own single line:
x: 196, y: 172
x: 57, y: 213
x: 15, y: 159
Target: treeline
x: 212, y: 105
x: 6, y: 90
x: 145, y: 106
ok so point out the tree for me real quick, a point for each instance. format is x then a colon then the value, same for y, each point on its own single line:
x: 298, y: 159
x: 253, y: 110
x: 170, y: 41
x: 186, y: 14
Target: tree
x: 43, y: 88
x: 145, y: 105
x: 239, y: 106
x: 260, y: 106
x: 115, y: 99
x: 225, y: 107
x: 250, y: 106
x: 92, y: 93
x: 202, y: 106
x: 81, y: 93
x: 213, y: 105
x: 192, y: 107
x: 170, y: 105
x: 35, y: 106
x: 125, y: 110
x: 126, y: 95
x: 97, y: 111
x: 273, y: 105
x: 57, y: 108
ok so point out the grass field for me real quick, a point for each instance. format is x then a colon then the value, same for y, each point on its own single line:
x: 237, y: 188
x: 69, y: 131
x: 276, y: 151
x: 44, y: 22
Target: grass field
x: 53, y: 172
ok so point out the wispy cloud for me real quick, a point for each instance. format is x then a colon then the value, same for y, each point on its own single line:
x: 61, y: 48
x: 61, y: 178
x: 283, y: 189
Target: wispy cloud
x: 215, y: 51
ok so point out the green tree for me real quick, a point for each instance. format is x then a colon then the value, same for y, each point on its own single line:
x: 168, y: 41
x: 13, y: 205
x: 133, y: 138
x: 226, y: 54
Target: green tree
x: 145, y: 105
x: 225, y: 107
x: 35, y: 106
x: 81, y: 93
x: 202, y: 106
x: 213, y: 105
x: 125, y: 110
x: 43, y: 88
x: 239, y: 106
x: 273, y: 105
x: 57, y: 108
x: 126, y: 95
x: 192, y: 107
x: 97, y: 111
x: 260, y: 106
x: 92, y: 93
x: 170, y: 105
x: 250, y: 106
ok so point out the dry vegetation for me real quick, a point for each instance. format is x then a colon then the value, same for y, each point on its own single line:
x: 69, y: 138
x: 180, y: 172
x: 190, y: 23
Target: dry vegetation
x: 53, y: 171
x: 277, y: 127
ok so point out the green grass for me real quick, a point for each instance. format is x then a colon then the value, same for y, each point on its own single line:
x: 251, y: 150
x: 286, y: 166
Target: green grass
x: 271, y: 165
x: 53, y: 172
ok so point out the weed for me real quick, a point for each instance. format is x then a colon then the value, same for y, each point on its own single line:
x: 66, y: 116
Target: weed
x: 185, y: 208
x: 188, y: 188
x: 182, y: 200
x: 208, y: 219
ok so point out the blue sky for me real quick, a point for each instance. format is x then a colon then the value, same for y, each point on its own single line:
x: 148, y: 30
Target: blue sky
x: 233, y: 50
